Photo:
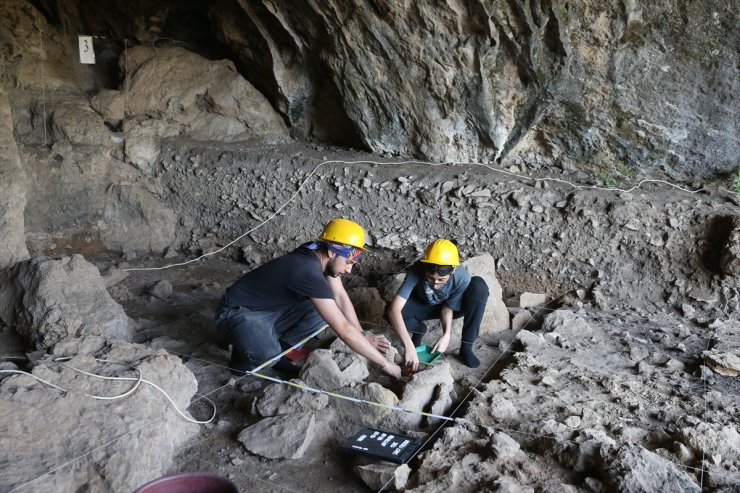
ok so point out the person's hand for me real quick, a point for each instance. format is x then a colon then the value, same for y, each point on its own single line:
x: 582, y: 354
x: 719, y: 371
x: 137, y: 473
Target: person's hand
x: 393, y: 370
x: 442, y: 343
x: 411, y: 360
x: 379, y: 342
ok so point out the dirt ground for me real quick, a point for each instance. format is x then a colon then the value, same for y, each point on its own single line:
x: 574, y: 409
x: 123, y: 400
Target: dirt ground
x: 633, y: 268
x: 182, y: 324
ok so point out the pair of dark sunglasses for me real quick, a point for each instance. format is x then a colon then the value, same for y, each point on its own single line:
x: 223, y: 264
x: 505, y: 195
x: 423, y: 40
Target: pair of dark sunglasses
x: 442, y: 270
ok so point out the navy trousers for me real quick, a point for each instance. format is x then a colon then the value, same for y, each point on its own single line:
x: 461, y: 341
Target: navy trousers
x: 415, y: 312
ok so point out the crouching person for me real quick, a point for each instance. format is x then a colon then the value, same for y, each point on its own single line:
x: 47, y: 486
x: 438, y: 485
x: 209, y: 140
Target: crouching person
x: 438, y: 287
x: 282, y: 302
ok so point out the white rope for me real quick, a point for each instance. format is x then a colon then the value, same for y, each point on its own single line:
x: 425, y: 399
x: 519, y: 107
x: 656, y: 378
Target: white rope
x: 113, y: 440
x: 138, y: 381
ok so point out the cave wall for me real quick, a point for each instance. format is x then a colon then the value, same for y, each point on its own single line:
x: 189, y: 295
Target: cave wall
x: 12, y: 191
x: 615, y: 90
x: 616, y: 87
x: 586, y: 84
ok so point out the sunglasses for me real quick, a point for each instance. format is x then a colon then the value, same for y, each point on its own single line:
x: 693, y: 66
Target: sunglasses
x: 442, y: 270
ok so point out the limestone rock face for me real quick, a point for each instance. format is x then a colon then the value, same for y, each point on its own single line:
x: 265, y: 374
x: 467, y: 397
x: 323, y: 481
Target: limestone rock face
x: 12, y: 191
x: 89, y: 201
x: 25, y: 31
x: 50, y: 300
x: 496, y: 316
x: 135, y: 219
x: 533, y: 83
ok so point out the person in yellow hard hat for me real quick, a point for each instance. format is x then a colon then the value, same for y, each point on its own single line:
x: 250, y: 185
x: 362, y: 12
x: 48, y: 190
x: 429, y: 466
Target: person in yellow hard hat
x: 437, y: 286
x: 280, y: 303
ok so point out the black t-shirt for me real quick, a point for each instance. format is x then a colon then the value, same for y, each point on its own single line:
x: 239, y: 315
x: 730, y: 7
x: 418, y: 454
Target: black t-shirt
x: 281, y: 283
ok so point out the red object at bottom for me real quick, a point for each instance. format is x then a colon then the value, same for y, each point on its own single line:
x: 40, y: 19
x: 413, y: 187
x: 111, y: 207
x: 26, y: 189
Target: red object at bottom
x: 297, y: 354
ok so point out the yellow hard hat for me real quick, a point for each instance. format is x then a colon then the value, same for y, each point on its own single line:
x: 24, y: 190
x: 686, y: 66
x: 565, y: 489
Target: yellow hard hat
x: 441, y: 252
x: 344, y: 231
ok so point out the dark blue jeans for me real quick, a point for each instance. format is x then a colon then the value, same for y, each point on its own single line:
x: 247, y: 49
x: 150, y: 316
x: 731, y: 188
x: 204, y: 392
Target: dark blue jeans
x: 415, y: 312
x: 255, y: 336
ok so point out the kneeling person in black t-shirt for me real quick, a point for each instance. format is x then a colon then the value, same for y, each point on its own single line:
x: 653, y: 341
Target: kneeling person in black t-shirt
x: 290, y: 297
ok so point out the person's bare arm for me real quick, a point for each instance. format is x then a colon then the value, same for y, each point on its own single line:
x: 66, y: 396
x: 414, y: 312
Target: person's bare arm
x: 446, y: 319
x: 352, y: 336
x: 348, y: 310
x: 343, y: 301
x: 411, y: 359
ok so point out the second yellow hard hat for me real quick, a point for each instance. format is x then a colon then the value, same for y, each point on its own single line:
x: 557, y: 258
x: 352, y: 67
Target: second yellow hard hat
x: 441, y: 252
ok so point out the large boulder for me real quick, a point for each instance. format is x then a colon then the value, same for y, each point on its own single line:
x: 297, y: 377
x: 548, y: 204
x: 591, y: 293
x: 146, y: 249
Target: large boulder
x: 429, y: 391
x: 280, y: 399
x: 281, y: 437
x: 176, y: 92
x: 90, y: 444
x: 50, y: 299
x: 353, y: 413
x: 209, y: 100
x: 496, y: 317
x: 333, y: 368
x: 74, y: 121
x: 630, y: 467
x: 567, y: 324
